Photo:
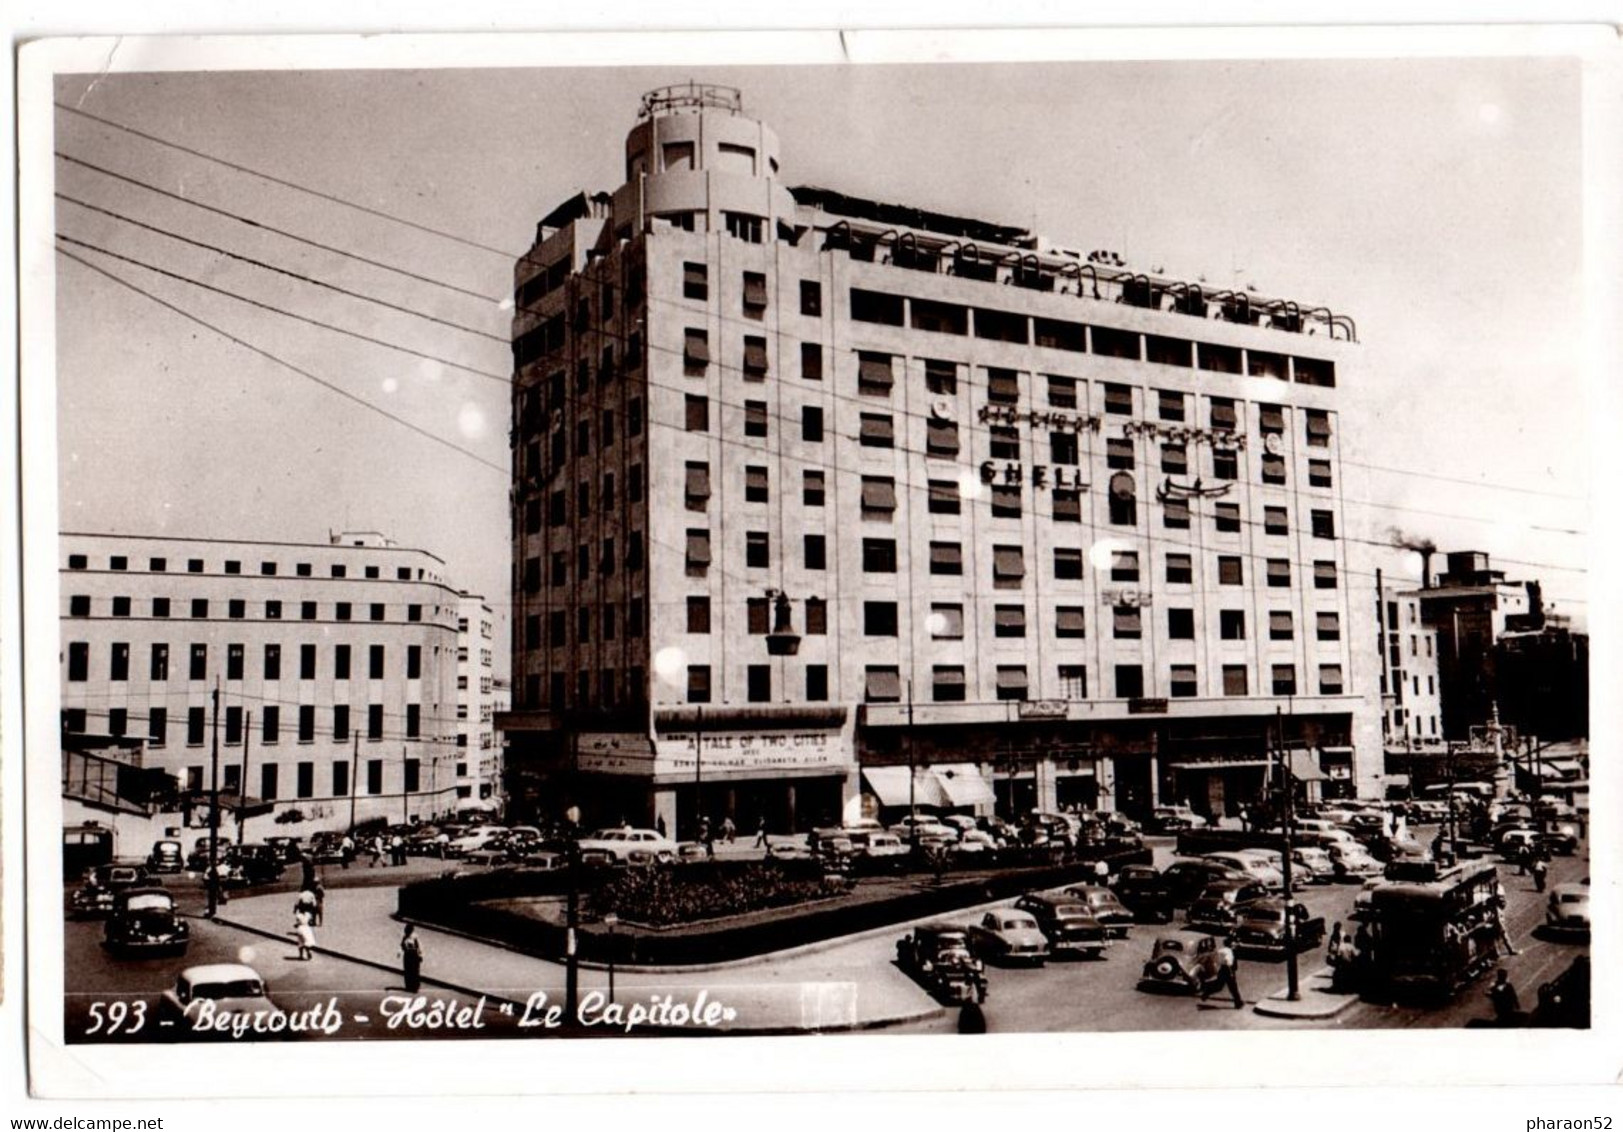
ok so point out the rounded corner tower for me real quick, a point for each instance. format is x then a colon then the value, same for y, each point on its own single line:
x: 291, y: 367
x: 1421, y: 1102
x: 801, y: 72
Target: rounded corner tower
x: 694, y: 153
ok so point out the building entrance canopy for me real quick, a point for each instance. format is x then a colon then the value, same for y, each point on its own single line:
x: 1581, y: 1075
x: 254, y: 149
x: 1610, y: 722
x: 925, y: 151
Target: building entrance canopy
x: 942, y: 786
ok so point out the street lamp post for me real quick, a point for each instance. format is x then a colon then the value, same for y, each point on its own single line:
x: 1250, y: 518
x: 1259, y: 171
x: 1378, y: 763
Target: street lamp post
x: 912, y: 778
x: 610, y: 921
x: 213, y: 883
x: 1288, y: 809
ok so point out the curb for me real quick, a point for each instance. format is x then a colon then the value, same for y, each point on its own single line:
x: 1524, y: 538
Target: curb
x: 936, y: 1010
x: 1315, y: 1003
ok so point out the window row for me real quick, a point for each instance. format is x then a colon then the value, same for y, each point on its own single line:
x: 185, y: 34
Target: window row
x: 236, y: 609
x: 266, y: 569
x: 753, y: 291
x: 605, y: 501
x: 271, y: 666
x: 606, y: 622
x: 604, y: 554
x: 267, y: 720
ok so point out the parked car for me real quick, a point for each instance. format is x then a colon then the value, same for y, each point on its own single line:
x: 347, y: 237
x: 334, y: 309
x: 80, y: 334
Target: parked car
x: 232, y: 988
x: 256, y: 864
x: 1259, y: 928
x: 327, y: 848
x: 1177, y: 965
x: 788, y: 851
x: 1145, y: 892
x: 1312, y: 864
x: 625, y: 841
x: 1004, y: 832
x: 1559, y: 837
x: 476, y: 838
x: 975, y: 846
x: 963, y: 823
x: 1258, y: 868
x: 1007, y: 935
x: 1104, y: 906
x: 102, y: 884
x: 1354, y: 864
x: 1215, y: 909
x: 1568, y: 911
x: 879, y: 851
x: 1364, y: 900
x: 1069, y: 925
x: 835, y: 849
x: 288, y: 848
x: 1187, y: 878
x: 495, y: 851
x: 166, y: 857
x: 144, y: 920
x: 198, y: 859
x: 939, y: 956
x: 1173, y: 819
x: 926, y: 826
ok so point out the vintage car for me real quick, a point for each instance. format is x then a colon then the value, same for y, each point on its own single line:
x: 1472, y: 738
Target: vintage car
x: 1354, y: 864
x: 256, y: 864
x: 495, y: 851
x: 1070, y: 927
x: 878, y: 851
x: 230, y: 989
x: 835, y: 849
x: 1254, y: 865
x: 624, y: 842
x: 1187, y: 878
x: 327, y: 847
x: 144, y: 920
x: 167, y: 856
x: 1311, y: 865
x: 1559, y: 837
x: 1173, y: 819
x: 1145, y: 892
x: 1568, y: 911
x: 1215, y: 909
x: 103, y: 884
x: 788, y: 851
x: 938, y: 956
x: 1259, y: 928
x: 288, y: 848
x: 1178, y: 966
x: 975, y: 846
x: 1104, y: 906
x: 1007, y: 935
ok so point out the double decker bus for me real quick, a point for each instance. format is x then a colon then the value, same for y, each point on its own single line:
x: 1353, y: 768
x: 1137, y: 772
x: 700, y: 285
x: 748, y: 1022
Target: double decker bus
x: 1432, y: 929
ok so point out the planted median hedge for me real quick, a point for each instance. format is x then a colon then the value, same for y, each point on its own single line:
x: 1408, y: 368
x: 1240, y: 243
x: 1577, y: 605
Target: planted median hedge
x: 713, y: 911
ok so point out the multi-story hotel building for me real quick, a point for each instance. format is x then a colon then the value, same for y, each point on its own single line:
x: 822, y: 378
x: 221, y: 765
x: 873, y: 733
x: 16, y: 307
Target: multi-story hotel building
x: 811, y: 489
x: 335, y: 665
x: 1411, y: 698
x: 478, y: 766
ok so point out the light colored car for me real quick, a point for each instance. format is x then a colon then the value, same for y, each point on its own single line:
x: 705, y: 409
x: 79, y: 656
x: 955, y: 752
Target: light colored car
x: 878, y: 849
x: 927, y: 827
x: 1355, y: 863
x: 1172, y: 819
x: 473, y: 839
x: 1312, y: 864
x: 1568, y: 910
x: 1253, y: 866
x: 975, y: 841
x: 1010, y: 936
x: 626, y: 841
x: 961, y: 822
x: 206, y: 1000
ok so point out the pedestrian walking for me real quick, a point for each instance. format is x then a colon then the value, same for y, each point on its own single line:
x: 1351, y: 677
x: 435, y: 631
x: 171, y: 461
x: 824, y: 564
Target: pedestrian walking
x: 411, y: 959
x: 320, y: 891
x: 374, y: 846
x: 305, y: 934
x: 347, y: 849
x: 1541, y: 872
x: 659, y: 824
x: 397, y: 851
x: 1507, y: 1006
x: 729, y: 831
x: 1245, y: 819
x: 760, y: 834
x: 1101, y: 870
x: 307, y: 869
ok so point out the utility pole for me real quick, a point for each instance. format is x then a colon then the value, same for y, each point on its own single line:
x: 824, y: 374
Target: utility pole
x: 572, y: 908
x: 698, y: 767
x: 1292, y: 978
x: 912, y: 774
x: 242, y: 784
x: 213, y: 882
x: 354, y: 770
x: 405, y: 790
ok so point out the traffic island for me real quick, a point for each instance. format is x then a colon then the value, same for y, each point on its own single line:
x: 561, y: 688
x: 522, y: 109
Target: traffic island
x: 1317, y: 1000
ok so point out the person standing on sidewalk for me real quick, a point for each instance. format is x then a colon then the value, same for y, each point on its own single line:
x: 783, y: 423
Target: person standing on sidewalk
x: 304, y: 934
x: 411, y: 959
x: 760, y: 833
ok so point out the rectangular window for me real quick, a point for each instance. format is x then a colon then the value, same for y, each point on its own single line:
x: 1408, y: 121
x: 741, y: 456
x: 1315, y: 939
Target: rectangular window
x: 1225, y: 464
x: 757, y: 550
x: 1129, y: 681
x: 1127, y: 623
x: 1279, y: 572
x: 811, y: 298
x: 882, y: 684
x: 79, y: 661
x: 695, y: 350
x: 1119, y: 453
x: 878, y: 497
x: 1008, y: 566
x: 946, y: 622
x: 742, y: 226
x: 1183, y: 681
x: 1231, y: 624
x: 1124, y: 566
x: 307, y: 723
x: 1064, y: 448
x: 755, y: 484
x: 759, y: 678
x: 1062, y: 392
x: 817, y: 683
x: 1180, y: 569
x: 1073, y: 681
x: 698, y: 683
x: 944, y: 498
x: 1012, y: 682
x: 121, y: 606
x: 159, y: 670
x: 414, y: 720
x: 374, y: 776
x: 697, y: 485
x: 816, y: 617
x: 1006, y: 501
x: 200, y: 607
x: 1324, y: 575
x: 1119, y: 400
x: 233, y: 661
x: 341, y: 611
x: 1009, y: 620
x: 233, y: 725
x: 874, y: 374
x: 1324, y: 524
x: 414, y: 662
x: 1175, y: 513
x: 811, y: 424
x: 941, y: 378
x: 815, y: 548
x: 695, y: 276
x: 939, y: 318
x: 1329, y: 628
x: 1229, y: 571
x: 941, y: 438
x: 1234, y: 680
x: 1067, y: 506
x: 811, y: 361
x: 1002, y: 386
x: 1175, y: 459
x: 157, y: 726
x: 698, y: 413
x: 199, y: 663
x: 1275, y: 521
x: 270, y: 723
x: 1330, y: 681
x: 1070, y: 622
x: 1181, y: 624
x: 374, y: 721
x: 879, y: 556
x: 1281, y: 626
x: 755, y: 418
x: 698, y: 613
x: 754, y: 357
x: 946, y: 558
x: 698, y: 549
x: 1284, y: 679
x: 160, y: 607
x: 754, y: 292
x: 1318, y: 473
x: 1171, y: 404
x: 340, y: 722
x: 947, y: 683
x: 878, y: 430
x: 812, y: 490
x: 1318, y: 428
x: 1067, y: 563
x: 879, y: 618
x: 195, y: 726
x: 1005, y: 443
x: 374, y: 661
x: 1272, y: 417
x: 1273, y: 468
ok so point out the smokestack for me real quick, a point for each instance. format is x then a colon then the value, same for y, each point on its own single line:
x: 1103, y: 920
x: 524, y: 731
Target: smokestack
x: 1423, y: 546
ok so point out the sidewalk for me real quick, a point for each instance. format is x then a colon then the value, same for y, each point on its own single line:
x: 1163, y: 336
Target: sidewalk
x: 806, y: 993
x: 1317, y: 1001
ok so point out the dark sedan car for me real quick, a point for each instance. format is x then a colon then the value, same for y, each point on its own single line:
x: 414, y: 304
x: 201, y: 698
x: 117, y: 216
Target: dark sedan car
x: 1187, y: 879
x: 1103, y: 905
x: 102, y: 885
x: 144, y: 920
x: 1145, y: 892
x: 1259, y: 928
x: 1070, y: 926
x: 1217, y: 908
x: 256, y: 864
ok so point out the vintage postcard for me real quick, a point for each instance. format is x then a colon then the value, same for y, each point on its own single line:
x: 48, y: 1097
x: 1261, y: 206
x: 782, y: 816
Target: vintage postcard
x: 824, y: 544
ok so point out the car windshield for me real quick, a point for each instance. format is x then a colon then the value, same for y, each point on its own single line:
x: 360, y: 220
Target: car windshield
x: 1273, y: 915
x: 1020, y: 921
x: 150, y: 902
x: 1071, y: 910
x: 1573, y: 897
x: 232, y: 988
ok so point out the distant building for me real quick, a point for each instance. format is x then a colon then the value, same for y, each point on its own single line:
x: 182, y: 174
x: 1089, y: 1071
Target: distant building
x: 1542, y: 682
x: 809, y: 489
x: 1411, y: 700
x: 478, y: 766
x: 335, y: 665
x: 1470, y: 606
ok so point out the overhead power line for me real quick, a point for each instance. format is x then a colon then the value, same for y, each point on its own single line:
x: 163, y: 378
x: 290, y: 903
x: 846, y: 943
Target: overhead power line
x: 306, y: 374
x: 294, y: 185
x: 1464, y: 482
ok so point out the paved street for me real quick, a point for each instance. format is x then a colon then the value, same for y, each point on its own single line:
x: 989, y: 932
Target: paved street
x: 845, y: 984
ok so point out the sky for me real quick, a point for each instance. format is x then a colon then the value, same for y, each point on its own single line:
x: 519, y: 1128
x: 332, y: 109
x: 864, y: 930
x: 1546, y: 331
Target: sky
x: 1437, y: 202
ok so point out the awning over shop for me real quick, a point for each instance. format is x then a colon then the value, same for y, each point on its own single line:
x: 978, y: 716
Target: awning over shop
x: 964, y: 785
x: 1305, y: 768
x: 1216, y: 764
x: 890, y: 785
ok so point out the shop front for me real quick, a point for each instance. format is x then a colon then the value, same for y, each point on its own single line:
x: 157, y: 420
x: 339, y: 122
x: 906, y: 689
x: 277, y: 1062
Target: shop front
x: 938, y: 788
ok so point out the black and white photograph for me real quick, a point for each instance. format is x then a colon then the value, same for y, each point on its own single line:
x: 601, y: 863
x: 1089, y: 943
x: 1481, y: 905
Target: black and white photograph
x: 785, y: 545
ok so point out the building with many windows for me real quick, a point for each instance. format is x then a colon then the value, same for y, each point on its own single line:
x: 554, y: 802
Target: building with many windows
x: 334, y: 663
x: 811, y: 490
x: 1411, y: 700
x: 478, y: 766
x: 1470, y: 606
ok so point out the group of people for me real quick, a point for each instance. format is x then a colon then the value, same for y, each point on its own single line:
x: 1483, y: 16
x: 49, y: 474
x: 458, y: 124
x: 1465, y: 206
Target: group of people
x: 393, y: 847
